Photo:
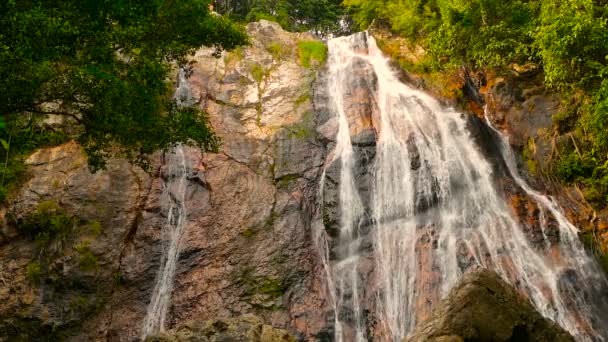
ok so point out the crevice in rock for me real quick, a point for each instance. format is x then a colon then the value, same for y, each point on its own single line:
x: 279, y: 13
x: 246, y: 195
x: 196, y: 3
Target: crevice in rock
x: 142, y: 199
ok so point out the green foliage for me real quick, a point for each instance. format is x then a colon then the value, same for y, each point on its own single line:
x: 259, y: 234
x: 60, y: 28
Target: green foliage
x: 568, y: 39
x: 88, y: 260
x: 49, y: 222
x: 20, y: 136
x: 312, y: 49
x: 455, y: 32
x: 95, y: 228
x: 79, y: 303
x: 270, y: 287
x: 570, y: 168
x: 590, y: 170
x: 33, y: 271
x: 104, y: 65
x: 257, y: 72
x: 321, y: 16
x: 572, y: 41
x: 528, y: 156
x: 273, y: 288
x: 277, y: 50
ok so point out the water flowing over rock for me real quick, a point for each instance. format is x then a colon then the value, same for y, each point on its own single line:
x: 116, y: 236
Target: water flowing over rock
x: 175, y: 171
x: 342, y: 206
x: 406, y: 216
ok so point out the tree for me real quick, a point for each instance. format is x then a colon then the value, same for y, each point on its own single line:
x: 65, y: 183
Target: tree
x: 105, y: 65
x: 294, y: 15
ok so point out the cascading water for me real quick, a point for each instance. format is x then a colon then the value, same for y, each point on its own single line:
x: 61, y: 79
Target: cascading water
x: 434, y: 211
x: 175, y: 171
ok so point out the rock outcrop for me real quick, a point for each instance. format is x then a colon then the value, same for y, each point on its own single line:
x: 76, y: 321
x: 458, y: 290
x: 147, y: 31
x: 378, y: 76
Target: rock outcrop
x: 483, y: 307
x: 248, y: 328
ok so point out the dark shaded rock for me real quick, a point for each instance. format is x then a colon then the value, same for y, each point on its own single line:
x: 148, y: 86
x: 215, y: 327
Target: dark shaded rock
x: 483, y: 307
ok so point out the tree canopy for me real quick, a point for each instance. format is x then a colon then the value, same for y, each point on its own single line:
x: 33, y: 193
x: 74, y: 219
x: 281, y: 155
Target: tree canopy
x: 105, y: 65
x: 321, y: 16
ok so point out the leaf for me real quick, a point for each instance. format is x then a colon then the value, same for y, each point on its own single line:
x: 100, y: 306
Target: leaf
x: 4, y: 144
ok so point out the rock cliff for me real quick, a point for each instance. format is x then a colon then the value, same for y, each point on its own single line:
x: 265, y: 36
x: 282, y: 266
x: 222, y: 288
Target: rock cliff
x: 247, y: 246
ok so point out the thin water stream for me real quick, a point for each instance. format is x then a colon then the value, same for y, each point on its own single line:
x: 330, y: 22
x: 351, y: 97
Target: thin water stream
x: 175, y: 169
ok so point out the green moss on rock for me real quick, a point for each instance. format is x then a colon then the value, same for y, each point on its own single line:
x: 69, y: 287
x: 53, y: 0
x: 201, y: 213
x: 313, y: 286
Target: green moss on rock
x: 312, y: 50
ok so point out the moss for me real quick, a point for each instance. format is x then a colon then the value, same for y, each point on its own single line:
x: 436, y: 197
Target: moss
x: 301, y: 99
x: 271, y: 287
x: 277, y: 50
x: 95, y: 228
x: 312, y: 50
x: 87, y: 261
x: 258, y: 112
x: 284, y: 181
x: 303, y: 129
x: 257, y: 72
x: 78, y: 304
x: 117, y: 277
x: 254, y: 286
x: 56, y: 184
x: 34, y: 272
x: 237, y: 54
x: 248, y: 233
x: 528, y: 155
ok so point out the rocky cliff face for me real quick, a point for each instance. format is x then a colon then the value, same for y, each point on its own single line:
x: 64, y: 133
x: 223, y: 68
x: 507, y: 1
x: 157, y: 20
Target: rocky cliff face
x: 247, y: 246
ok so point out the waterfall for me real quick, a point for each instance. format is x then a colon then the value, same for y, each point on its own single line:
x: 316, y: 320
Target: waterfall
x: 175, y: 171
x: 432, y: 210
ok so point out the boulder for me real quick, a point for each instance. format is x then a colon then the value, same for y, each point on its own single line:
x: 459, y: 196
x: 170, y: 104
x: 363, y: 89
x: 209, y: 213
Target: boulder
x: 483, y: 307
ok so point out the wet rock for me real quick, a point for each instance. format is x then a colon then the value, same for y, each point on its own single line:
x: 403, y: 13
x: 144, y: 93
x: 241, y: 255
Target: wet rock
x: 483, y: 307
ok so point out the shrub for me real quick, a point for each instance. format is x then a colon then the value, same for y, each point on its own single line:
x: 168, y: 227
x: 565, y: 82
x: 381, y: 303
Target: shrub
x: 47, y: 223
x: 88, y: 261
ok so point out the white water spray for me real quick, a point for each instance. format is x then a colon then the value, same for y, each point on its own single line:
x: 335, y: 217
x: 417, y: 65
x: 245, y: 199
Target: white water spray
x: 435, y: 212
